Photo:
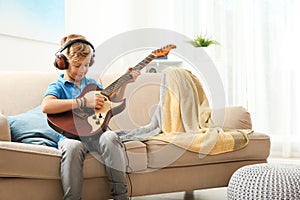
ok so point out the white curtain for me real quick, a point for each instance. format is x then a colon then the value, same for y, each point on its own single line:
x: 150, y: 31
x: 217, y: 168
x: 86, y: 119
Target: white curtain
x: 257, y: 59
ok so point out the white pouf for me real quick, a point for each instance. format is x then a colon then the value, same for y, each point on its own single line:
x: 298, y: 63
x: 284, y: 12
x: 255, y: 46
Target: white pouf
x: 265, y: 181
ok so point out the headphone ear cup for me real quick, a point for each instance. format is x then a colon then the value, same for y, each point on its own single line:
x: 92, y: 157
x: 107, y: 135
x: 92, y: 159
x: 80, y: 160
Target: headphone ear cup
x: 61, y: 62
x: 92, y: 60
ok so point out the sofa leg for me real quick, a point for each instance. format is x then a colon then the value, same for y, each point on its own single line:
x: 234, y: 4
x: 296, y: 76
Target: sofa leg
x: 189, y: 195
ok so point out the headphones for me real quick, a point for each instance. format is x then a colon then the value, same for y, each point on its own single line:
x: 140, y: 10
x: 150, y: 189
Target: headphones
x: 61, y: 61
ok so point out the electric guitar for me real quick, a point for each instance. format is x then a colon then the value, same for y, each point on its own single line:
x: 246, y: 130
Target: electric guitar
x: 88, y: 123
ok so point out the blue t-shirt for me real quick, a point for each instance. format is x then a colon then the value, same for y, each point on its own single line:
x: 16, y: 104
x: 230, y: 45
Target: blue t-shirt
x: 64, y: 89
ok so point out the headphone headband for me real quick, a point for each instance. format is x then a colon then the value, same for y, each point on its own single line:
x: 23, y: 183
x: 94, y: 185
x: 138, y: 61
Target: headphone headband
x: 70, y: 43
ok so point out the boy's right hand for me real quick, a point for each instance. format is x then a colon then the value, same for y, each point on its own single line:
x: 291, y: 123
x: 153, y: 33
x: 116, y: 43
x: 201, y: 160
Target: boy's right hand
x: 95, y: 101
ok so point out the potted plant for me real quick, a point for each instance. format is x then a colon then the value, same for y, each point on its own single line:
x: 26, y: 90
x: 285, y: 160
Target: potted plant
x: 203, y: 41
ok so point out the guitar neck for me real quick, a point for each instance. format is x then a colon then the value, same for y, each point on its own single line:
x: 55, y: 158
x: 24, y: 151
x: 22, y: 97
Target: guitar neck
x: 109, y: 90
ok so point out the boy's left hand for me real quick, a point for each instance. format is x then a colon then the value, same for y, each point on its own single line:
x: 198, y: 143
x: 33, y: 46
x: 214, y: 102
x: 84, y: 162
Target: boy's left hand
x: 134, y: 74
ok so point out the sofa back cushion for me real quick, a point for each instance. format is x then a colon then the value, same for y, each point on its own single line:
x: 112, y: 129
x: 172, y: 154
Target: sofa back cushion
x: 234, y: 117
x: 21, y: 91
x: 142, y: 97
x: 4, y: 129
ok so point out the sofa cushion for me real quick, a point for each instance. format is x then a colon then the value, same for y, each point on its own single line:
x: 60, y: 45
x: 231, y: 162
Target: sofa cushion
x: 162, y: 154
x: 135, y: 156
x: 23, y: 90
x: 142, y: 97
x: 43, y: 162
x: 235, y: 117
x: 230, y: 117
x: 29, y: 161
x: 32, y: 127
x: 4, y: 129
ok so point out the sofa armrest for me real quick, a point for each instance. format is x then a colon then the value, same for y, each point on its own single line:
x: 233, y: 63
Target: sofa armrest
x: 4, y: 129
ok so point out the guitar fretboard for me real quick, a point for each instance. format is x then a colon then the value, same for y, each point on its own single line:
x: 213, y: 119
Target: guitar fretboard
x: 109, y: 90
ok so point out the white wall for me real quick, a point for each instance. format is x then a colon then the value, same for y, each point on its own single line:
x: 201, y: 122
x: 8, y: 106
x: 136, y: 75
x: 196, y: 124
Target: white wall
x: 25, y: 54
x: 100, y: 20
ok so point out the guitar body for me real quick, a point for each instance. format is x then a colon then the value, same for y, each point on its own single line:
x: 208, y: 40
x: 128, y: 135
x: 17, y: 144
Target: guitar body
x: 87, y: 122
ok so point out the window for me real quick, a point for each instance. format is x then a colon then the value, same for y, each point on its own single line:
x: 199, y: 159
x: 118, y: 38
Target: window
x: 33, y: 19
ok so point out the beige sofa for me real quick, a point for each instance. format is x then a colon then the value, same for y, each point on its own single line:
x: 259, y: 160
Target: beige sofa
x: 33, y: 172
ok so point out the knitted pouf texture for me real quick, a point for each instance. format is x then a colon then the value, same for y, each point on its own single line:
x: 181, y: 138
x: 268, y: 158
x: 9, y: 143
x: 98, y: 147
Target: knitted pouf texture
x: 265, y: 181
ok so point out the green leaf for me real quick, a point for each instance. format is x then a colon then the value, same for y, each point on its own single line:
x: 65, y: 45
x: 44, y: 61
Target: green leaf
x: 203, y: 41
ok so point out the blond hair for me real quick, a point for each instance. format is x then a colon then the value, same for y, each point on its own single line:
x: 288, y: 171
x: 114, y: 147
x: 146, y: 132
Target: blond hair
x: 77, y: 51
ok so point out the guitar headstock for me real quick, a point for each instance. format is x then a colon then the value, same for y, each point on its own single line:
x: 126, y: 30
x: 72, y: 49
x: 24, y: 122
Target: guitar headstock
x: 164, y: 51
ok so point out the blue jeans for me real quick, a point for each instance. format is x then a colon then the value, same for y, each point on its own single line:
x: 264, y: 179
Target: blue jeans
x: 109, y: 148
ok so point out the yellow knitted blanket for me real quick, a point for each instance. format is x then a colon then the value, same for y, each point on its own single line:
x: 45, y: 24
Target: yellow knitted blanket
x: 185, y: 117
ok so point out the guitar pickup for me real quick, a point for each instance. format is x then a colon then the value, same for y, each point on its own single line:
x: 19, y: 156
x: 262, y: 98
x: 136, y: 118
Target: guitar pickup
x: 80, y: 113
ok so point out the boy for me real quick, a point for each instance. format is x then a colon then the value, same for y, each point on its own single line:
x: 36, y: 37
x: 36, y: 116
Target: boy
x: 75, y: 57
